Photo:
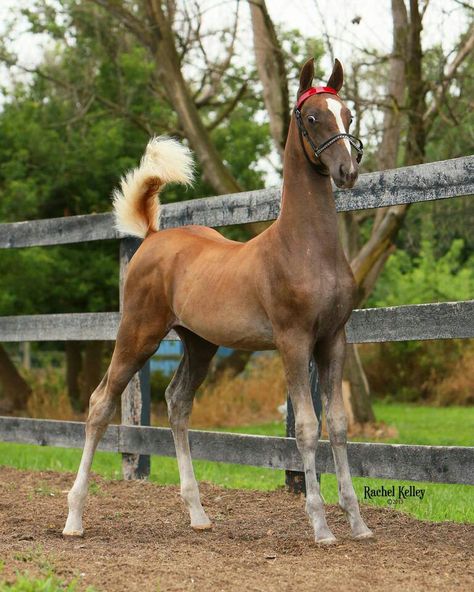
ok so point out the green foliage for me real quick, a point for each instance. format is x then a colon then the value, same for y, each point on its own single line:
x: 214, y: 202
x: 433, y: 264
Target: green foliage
x: 59, y: 279
x: 68, y: 135
x: 452, y: 133
x: 26, y: 583
x: 411, y: 371
x: 425, y: 278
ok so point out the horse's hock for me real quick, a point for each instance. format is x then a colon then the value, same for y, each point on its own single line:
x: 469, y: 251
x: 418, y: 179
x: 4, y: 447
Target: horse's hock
x: 446, y: 320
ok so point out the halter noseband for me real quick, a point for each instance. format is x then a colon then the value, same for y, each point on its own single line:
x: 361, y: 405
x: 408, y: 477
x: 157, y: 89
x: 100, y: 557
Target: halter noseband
x: 355, y: 142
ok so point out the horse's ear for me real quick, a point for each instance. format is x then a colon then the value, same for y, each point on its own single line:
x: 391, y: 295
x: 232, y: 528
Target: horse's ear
x: 337, y: 77
x: 306, y: 76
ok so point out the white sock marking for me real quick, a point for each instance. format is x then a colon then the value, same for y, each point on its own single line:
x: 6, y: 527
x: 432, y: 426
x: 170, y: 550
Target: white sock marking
x: 335, y: 107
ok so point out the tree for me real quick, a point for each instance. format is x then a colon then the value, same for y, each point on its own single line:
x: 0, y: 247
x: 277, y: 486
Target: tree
x: 405, y: 107
x: 121, y: 70
x: 68, y: 135
x: 272, y: 72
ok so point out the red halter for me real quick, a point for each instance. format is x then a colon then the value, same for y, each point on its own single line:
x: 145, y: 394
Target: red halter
x: 315, y: 90
x: 355, y: 142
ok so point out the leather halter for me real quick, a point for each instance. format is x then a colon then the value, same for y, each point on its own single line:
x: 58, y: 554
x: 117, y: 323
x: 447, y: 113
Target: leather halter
x: 355, y: 142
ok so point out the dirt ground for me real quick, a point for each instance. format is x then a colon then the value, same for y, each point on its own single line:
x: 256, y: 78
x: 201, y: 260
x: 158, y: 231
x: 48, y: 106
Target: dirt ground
x: 137, y: 538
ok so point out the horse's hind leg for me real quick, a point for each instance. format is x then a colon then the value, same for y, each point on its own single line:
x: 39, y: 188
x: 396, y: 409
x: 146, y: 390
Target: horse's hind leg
x: 191, y: 372
x: 137, y: 340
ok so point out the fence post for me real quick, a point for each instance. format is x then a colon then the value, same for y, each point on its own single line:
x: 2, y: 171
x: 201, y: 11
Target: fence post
x: 295, y: 480
x: 136, y: 397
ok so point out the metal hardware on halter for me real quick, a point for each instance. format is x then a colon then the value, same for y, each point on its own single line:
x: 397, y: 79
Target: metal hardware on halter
x: 355, y: 142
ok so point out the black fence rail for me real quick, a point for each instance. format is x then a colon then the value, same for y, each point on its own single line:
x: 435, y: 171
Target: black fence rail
x: 447, y: 320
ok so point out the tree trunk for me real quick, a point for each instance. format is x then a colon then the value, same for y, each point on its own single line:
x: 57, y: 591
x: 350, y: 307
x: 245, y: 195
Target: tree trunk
x: 169, y: 69
x: 234, y: 364
x: 156, y: 34
x: 416, y: 97
x: 272, y: 73
x: 360, y: 394
x: 73, y: 370
x: 367, y: 262
x: 15, y: 388
x: 91, y: 373
x: 387, y: 152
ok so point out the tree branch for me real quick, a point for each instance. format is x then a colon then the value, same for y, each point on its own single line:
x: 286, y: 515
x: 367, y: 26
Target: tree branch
x: 463, y: 52
x: 227, y: 110
x: 272, y: 73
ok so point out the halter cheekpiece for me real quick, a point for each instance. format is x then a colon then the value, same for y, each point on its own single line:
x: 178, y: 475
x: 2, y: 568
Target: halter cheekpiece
x: 355, y: 142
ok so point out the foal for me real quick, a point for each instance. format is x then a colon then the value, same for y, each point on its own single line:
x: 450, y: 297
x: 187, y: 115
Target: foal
x: 290, y: 289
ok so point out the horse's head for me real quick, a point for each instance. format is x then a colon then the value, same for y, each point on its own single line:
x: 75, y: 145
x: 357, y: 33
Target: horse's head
x: 323, y: 123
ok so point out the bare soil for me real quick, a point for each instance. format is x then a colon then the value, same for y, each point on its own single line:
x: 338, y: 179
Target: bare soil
x: 138, y: 538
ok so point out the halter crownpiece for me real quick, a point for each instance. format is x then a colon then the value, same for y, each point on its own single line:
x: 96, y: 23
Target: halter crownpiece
x: 355, y: 142
x: 314, y: 90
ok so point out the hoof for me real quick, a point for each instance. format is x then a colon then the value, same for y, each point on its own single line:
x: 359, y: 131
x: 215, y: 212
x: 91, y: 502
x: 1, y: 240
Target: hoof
x: 73, y: 533
x: 364, y: 536
x: 201, y: 527
x: 327, y: 541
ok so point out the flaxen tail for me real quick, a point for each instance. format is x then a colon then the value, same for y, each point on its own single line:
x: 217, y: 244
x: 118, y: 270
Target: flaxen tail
x: 136, y: 203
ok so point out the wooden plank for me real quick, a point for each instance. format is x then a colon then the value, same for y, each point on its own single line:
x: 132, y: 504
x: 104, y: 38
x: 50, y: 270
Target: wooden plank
x: 443, y: 320
x: 60, y: 327
x: 438, y: 464
x: 436, y: 180
x: 51, y: 432
x: 442, y: 464
x: 58, y: 231
x: 426, y: 182
x: 63, y: 327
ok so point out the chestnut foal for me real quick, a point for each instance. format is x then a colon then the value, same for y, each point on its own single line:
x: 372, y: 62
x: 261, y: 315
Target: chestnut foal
x: 290, y: 289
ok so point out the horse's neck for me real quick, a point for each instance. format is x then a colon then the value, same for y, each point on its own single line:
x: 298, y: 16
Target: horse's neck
x: 308, y: 218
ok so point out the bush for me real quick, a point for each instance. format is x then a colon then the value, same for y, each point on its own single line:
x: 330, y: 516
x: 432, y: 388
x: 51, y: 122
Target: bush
x: 251, y: 397
x: 437, y: 372
x: 433, y: 371
x: 49, y: 398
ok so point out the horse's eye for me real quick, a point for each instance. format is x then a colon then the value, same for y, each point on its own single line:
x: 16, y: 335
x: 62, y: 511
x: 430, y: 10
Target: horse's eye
x: 311, y: 118
x: 351, y: 120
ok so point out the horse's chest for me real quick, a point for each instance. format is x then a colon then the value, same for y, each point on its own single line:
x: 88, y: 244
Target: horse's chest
x: 326, y: 301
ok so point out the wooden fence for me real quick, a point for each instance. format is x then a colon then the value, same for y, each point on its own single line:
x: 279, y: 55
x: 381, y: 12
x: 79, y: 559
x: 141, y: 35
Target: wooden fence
x: 447, y: 320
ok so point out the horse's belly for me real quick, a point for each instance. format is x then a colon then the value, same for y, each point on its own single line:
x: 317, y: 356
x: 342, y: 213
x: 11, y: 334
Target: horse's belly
x: 230, y: 323
x: 234, y: 338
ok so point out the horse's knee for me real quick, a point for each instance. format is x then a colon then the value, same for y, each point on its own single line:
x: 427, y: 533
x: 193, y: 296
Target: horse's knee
x: 337, y: 428
x: 306, y: 431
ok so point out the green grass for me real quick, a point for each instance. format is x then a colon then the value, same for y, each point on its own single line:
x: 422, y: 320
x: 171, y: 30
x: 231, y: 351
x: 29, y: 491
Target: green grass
x: 453, y: 426
x: 440, y: 426
x: 48, y: 582
x: 26, y: 583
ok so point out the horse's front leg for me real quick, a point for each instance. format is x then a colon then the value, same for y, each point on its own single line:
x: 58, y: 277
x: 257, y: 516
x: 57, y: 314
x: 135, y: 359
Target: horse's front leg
x: 330, y: 359
x: 296, y: 352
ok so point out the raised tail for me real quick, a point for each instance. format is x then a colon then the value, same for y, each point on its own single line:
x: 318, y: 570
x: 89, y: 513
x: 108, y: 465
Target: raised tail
x: 136, y: 204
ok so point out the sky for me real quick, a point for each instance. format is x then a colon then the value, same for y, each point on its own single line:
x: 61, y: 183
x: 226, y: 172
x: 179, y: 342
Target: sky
x: 443, y: 23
